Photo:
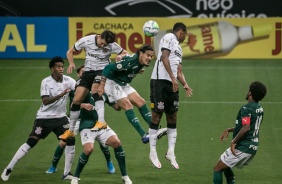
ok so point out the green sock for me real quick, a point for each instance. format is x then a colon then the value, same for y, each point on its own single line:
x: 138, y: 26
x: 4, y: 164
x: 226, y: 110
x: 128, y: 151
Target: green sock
x: 83, y: 159
x: 57, y: 155
x: 120, y: 156
x: 106, y: 152
x: 229, y: 175
x: 217, y: 177
x: 135, y: 122
x: 146, y: 114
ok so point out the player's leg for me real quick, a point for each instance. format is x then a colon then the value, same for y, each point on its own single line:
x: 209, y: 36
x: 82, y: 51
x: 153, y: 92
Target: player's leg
x: 217, y: 172
x: 87, y: 139
x: 24, y: 148
x: 157, y: 108
x: 229, y: 175
x: 99, y: 103
x: 56, y: 157
x: 139, y: 102
x: 110, y: 138
x: 107, y: 155
x: 116, y: 93
x: 69, y: 156
x: 82, y: 89
x: 171, y: 100
x: 172, y: 137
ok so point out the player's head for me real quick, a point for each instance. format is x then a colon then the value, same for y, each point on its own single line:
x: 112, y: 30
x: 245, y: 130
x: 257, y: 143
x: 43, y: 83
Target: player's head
x: 146, y: 53
x: 257, y: 91
x: 80, y: 70
x: 108, y: 36
x: 54, y: 60
x: 180, y: 30
x: 56, y: 65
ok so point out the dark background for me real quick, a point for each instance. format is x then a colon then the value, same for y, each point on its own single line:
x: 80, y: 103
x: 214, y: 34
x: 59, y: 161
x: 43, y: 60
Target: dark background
x: 164, y: 8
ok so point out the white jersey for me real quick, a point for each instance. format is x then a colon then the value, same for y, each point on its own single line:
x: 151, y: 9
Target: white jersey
x: 50, y: 87
x: 96, y: 58
x: 171, y: 43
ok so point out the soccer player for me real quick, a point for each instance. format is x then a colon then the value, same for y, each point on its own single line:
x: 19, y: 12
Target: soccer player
x: 98, y: 49
x: 245, y: 140
x: 164, y: 93
x: 51, y: 116
x: 59, y: 151
x: 106, y: 137
x: 115, y: 82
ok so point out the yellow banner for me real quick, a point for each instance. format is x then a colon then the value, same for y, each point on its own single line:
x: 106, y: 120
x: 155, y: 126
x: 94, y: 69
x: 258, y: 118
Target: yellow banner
x: 207, y: 38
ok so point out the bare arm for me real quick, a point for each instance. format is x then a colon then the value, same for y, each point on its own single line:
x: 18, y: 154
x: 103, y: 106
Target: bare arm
x: 121, y: 55
x: 46, y: 100
x: 166, y: 62
x: 70, y: 59
x: 182, y: 80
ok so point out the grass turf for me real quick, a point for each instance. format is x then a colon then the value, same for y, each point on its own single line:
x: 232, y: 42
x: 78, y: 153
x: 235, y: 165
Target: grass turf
x: 219, y: 88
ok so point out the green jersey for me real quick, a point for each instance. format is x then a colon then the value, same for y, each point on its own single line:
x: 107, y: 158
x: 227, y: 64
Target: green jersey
x: 87, y: 118
x: 250, y: 141
x: 124, y: 71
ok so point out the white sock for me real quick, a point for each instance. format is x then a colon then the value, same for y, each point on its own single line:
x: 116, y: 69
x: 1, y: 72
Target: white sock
x: 22, y: 151
x: 100, y: 108
x: 171, y: 135
x: 74, y: 115
x: 69, y: 155
x: 76, y: 127
x: 153, y: 139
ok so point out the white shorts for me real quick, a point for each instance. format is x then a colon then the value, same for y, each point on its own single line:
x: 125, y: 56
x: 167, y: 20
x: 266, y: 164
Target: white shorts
x: 240, y: 160
x: 116, y: 92
x: 101, y: 136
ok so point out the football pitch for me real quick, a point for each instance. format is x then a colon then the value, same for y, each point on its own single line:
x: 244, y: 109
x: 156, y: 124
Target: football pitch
x: 219, y: 90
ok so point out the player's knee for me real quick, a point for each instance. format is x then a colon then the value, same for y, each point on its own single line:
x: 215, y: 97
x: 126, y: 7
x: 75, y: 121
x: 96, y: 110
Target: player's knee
x: 70, y: 141
x: 31, y: 141
x: 116, y: 143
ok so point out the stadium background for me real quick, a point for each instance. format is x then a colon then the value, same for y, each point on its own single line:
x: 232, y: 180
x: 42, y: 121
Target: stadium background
x: 33, y: 32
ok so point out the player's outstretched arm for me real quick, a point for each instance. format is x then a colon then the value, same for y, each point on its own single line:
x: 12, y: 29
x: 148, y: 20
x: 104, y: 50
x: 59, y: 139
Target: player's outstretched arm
x: 70, y: 59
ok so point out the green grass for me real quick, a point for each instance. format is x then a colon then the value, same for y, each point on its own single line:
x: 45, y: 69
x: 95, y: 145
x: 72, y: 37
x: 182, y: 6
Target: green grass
x: 220, y: 87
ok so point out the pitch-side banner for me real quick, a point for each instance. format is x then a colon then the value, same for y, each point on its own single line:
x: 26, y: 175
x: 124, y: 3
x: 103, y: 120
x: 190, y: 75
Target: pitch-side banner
x: 207, y: 38
x: 33, y: 37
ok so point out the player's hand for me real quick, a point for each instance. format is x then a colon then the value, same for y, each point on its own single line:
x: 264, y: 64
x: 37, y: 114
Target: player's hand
x: 188, y: 90
x: 65, y: 92
x: 87, y: 106
x: 224, y: 135
x: 118, y: 58
x: 174, y: 84
x: 232, y: 147
x: 70, y: 68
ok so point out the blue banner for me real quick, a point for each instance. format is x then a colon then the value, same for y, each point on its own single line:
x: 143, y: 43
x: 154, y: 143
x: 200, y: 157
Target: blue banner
x: 27, y: 37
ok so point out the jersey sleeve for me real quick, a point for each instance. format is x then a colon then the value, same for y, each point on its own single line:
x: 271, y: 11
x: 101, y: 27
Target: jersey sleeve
x: 116, y: 48
x: 80, y: 44
x: 166, y: 44
x: 44, y: 90
x: 246, y: 114
x: 72, y: 84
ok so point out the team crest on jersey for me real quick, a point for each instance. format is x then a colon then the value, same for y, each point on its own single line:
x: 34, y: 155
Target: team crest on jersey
x: 67, y: 126
x: 38, y: 130
x: 160, y: 105
x: 119, y: 66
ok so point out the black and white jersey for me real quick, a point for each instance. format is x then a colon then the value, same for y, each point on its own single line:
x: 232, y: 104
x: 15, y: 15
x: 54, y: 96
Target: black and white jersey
x: 171, y: 43
x: 96, y: 58
x: 51, y: 87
